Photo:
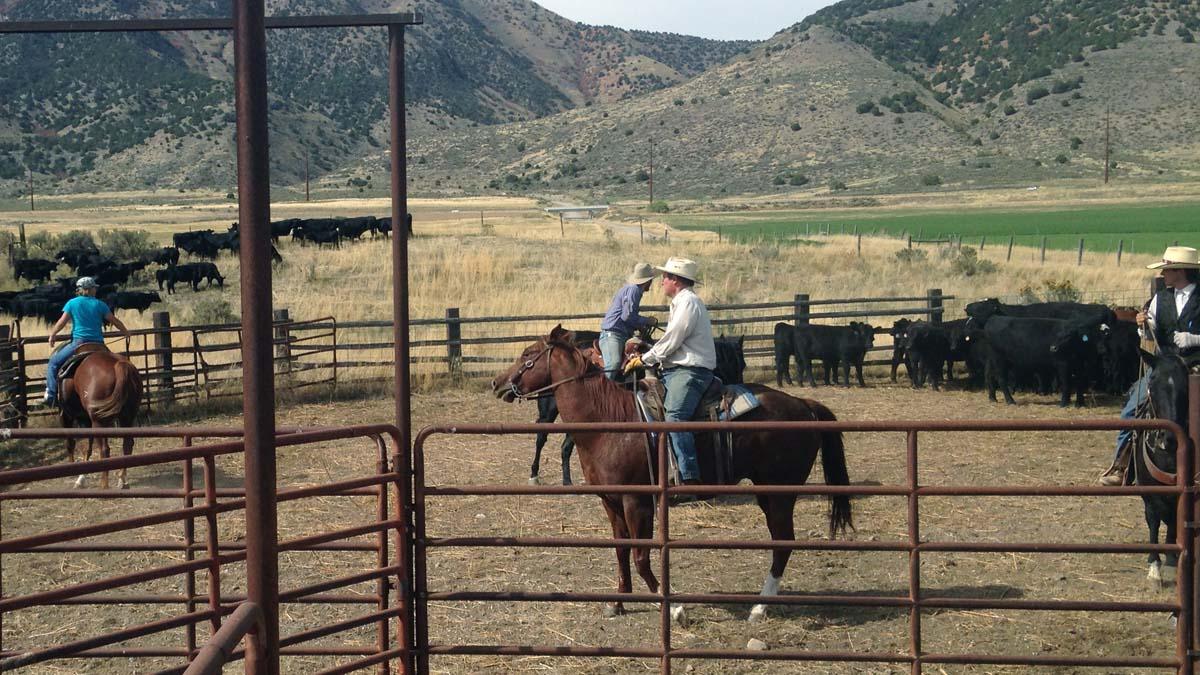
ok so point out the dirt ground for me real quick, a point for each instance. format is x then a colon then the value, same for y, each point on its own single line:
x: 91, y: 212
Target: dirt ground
x: 1073, y: 458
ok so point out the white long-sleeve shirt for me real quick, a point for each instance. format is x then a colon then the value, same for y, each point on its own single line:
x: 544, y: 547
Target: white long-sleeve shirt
x: 1182, y: 295
x: 688, y: 338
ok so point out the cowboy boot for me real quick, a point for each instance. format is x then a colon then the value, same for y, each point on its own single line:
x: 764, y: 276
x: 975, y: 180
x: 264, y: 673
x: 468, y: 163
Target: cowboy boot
x: 1115, y: 474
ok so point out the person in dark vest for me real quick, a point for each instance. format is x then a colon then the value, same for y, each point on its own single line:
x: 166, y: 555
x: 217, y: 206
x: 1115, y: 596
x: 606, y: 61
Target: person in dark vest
x: 1172, y: 317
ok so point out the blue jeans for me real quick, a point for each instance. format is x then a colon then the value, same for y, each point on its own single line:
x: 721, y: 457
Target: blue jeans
x: 685, y: 386
x: 1137, y: 394
x: 57, y: 359
x: 612, y: 348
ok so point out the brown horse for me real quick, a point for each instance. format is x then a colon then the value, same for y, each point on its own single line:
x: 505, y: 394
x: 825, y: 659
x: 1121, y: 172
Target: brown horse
x: 765, y: 457
x: 104, y: 391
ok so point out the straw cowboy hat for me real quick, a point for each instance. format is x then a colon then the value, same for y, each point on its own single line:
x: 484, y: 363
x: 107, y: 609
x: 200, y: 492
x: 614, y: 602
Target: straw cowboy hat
x: 681, y: 267
x: 1178, y: 258
x: 642, y: 272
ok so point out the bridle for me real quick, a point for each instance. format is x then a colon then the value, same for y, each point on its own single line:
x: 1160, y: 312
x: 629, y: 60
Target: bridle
x: 530, y: 363
x: 1148, y: 440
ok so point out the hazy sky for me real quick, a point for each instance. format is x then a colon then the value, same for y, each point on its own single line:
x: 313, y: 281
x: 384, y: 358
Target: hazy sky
x: 722, y: 19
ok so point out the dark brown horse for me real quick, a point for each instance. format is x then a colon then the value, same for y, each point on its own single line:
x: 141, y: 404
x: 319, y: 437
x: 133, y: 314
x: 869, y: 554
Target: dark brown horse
x: 765, y: 457
x: 104, y: 391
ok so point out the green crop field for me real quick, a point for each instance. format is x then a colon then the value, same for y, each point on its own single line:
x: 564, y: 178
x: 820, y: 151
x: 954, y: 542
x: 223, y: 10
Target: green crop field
x: 1144, y: 229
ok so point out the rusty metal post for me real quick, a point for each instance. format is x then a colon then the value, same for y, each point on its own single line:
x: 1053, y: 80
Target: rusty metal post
x: 258, y: 377
x: 1191, y: 556
x: 399, y: 145
x: 664, y: 555
x: 914, y: 555
x: 283, y: 347
x: 189, y: 554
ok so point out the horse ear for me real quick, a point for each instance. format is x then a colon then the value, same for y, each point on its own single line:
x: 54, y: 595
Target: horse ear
x: 741, y: 341
x: 1147, y: 358
x: 558, y: 332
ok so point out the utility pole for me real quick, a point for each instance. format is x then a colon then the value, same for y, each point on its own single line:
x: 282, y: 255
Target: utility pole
x: 1107, y: 110
x: 31, y: 208
x: 305, y: 174
x: 651, y: 170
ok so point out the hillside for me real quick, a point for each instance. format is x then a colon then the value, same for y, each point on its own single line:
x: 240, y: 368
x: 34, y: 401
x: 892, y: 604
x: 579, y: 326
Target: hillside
x: 879, y: 95
x: 151, y: 109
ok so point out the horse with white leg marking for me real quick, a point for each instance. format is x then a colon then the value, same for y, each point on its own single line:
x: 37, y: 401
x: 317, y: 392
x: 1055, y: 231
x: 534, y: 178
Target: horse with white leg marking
x: 555, y: 364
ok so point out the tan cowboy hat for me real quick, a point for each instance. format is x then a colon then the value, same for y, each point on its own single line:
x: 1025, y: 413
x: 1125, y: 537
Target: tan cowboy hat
x: 681, y: 267
x: 1178, y: 258
x: 642, y: 272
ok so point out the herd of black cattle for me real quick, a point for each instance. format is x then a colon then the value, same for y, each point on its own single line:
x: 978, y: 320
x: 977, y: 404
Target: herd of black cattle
x: 1071, y: 346
x: 45, y: 301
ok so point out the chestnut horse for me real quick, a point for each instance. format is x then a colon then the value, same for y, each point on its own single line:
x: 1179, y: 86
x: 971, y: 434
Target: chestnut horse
x: 765, y: 457
x: 104, y: 391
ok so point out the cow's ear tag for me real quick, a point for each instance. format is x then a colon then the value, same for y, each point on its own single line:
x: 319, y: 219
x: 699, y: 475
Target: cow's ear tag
x: 1085, y: 338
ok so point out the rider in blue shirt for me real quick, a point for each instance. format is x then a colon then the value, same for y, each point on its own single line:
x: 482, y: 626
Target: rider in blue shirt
x: 87, y: 315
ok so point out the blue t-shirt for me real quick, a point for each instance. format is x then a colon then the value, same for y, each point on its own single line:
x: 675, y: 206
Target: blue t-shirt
x: 87, y: 318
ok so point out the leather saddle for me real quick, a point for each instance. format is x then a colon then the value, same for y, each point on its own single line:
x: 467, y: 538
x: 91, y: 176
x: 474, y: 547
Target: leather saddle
x: 82, y: 352
x: 720, y: 403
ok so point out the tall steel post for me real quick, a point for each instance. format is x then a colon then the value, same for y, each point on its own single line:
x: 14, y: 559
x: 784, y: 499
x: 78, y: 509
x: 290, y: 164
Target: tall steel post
x: 258, y: 388
x: 400, y: 349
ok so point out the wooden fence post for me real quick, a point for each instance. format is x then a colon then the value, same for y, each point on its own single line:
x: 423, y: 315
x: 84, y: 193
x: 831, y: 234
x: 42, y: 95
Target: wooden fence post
x: 1080, y: 260
x: 1120, y: 250
x: 859, y: 238
x: 935, y: 305
x: 453, y: 336
x: 163, y: 357
x: 641, y: 232
x: 21, y: 233
x: 910, y: 241
x: 800, y: 309
x: 807, y: 230
x: 1043, y: 250
x: 562, y: 230
x: 719, y: 234
x: 982, y: 242
x: 283, y: 344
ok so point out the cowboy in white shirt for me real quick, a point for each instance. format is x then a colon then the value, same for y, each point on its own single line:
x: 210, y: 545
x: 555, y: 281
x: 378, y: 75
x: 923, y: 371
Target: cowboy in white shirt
x: 1173, y: 318
x: 688, y: 356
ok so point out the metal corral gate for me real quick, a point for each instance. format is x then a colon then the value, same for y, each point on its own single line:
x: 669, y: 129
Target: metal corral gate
x: 916, y: 602
x: 194, y: 569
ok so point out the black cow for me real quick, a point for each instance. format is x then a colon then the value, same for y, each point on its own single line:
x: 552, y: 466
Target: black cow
x: 1065, y: 348
x: 74, y: 256
x: 899, y: 333
x: 119, y: 274
x: 283, y: 228
x: 202, y: 243
x: 317, y: 230
x: 167, y: 255
x: 785, y: 350
x: 191, y: 273
x: 33, y: 269
x: 833, y: 345
x: 983, y: 310
x: 139, y: 300
x: 927, y: 346
x: 1119, y: 360
x: 353, y: 228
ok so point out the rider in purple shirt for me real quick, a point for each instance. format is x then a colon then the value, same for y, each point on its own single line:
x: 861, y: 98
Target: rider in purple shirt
x: 622, y: 318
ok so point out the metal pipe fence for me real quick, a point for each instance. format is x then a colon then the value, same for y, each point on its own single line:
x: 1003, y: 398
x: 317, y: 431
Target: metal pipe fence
x: 206, y: 563
x: 914, y: 545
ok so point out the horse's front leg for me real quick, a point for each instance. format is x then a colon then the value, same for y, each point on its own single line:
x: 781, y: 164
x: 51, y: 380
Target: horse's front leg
x: 1154, y: 573
x: 639, y: 519
x: 568, y: 449
x: 778, y: 510
x: 624, y: 584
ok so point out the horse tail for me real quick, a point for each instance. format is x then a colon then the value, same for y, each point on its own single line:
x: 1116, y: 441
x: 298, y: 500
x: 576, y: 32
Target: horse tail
x: 833, y: 465
x: 127, y: 387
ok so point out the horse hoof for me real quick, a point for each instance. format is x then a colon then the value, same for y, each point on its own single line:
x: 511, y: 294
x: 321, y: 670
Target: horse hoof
x: 613, y: 611
x: 567, y: 481
x: 758, y: 614
x: 122, y: 485
x: 533, y: 480
x: 80, y: 481
x: 1155, y: 574
x: 679, y: 615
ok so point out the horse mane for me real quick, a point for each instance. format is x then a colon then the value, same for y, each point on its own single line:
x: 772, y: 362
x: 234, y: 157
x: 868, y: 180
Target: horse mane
x: 610, y: 400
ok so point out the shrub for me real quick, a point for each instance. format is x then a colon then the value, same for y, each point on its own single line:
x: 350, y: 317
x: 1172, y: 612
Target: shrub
x: 1076, y: 142
x: 659, y: 206
x: 931, y: 179
x: 1062, y: 158
x: 679, y: 101
x: 1036, y: 93
x: 795, y: 126
x: 778, y: 180
x: 911, y: 255
x: 212, y: 309
x: 1009, y: 110
x: 994, y: 135
x: 126, y: 244
x: 1051, y: 290
x: 797, y: 179
x: 837, y: 186
x: 722, y: 92
x: 967, y: 263
x: 520, y: 147
x: 865, y: 107
x: 641, y: 176
x: 229, y: 196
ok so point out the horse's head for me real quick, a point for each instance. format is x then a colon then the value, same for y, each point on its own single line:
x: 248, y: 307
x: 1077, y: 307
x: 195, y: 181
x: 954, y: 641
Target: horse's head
x: 1168, y: 391
x: 731, y: 359
x: 535, y: 369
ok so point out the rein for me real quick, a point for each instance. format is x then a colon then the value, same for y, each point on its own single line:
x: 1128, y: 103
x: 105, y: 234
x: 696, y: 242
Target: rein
x: 1146, y: 440
x: 538, y: 393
